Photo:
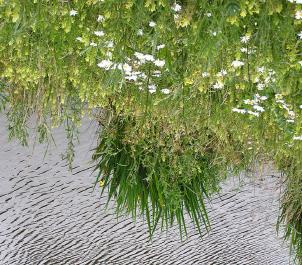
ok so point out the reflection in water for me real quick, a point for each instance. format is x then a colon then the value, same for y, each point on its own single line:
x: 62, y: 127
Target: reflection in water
x: 51, y: 216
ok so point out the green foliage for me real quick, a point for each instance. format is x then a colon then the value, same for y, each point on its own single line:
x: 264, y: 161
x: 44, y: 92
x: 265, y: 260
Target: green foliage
x: 3, y: 94
x: 189, y: 91
x: 159, y: 172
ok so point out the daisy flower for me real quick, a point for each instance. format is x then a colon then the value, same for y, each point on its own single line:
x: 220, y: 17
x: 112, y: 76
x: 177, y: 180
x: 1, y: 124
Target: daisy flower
x: 152, y: 24
x: 242, y: 111
x: 105, y: 64
x: 245, y: 39
x: 99, y: 33
x: 159, y: 63
x: 298, y: 14
x: 152, y: 88
x: 100, y: 18
x: 73, y: 12
x: 160, y: 46
x: 140, y: 32
x: 165, y: 91
x: 237, y: 64
x: 176, y: 7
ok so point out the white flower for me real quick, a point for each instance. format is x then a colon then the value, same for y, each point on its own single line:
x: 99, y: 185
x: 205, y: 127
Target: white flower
x: 209, y: 14
x: 79, y: 39
x: 267, y: 80
x: 295, y: 1
x: 165, y: 91
x: 261, y: 69
x: 242, y: 111
x: 143, y: 75
x: 298, y: 14
x: 253, y: 113
x: 159, y: 63
x: 152, y: 24
x: 214, y: 33
x: 260, y: 86
x: 222, y: 73
x: 140, y: 56
x: 247, y: 51
x: 237, y: 64
x: 149, y: 57
x: 176, y: 7
x: 131, y: 77
x: 299, y: 138
x: 144, y: 57
x: 73, y: 12
x: 263, y: 98
x: 248, y: 102
x: 100, y: 18
x: 245, y: 39
x: 160, y: 46
x: 93, y: 44
x: 258, y: 108
x: 281, y: 101
x: 300, y: 106
x: 152, y: 88
x: 291, y: 114
x: 218, y: 85
x: 127, y: 68
x: 105, y: 64
x: 300, y: 35
x: 156, y: 73
x: 99, y: 33
x: 140, y: 32
x: 271, y: 72
x: 110, y: 44
x: 300, y: 62
x: 205, y: 74
x: 118, y: 66
x: 290, y: 121
x: 138, y: 73
x: 285, y: 106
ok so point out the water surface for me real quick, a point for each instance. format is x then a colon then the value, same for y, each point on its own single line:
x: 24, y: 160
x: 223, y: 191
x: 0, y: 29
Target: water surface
x: 49, y: 215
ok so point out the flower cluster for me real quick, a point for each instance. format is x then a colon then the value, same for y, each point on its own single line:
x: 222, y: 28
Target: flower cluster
x: 290, y: 113
x: 254, y: 103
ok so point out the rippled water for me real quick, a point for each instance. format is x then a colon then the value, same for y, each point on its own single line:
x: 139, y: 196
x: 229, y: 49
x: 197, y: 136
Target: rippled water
x: 49, y: 215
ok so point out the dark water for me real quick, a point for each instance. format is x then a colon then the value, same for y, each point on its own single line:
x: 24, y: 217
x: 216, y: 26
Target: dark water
x: 49, y: 215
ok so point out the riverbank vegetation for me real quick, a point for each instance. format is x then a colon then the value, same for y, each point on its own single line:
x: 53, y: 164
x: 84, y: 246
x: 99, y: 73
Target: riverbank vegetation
x: 186, y: 92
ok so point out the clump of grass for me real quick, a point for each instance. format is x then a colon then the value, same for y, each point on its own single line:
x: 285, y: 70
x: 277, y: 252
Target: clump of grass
x: 290, y: 217
x: 157, y: 174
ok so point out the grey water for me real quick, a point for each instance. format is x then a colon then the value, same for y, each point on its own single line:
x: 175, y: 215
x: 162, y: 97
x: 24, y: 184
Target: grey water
x: 49, y: 215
